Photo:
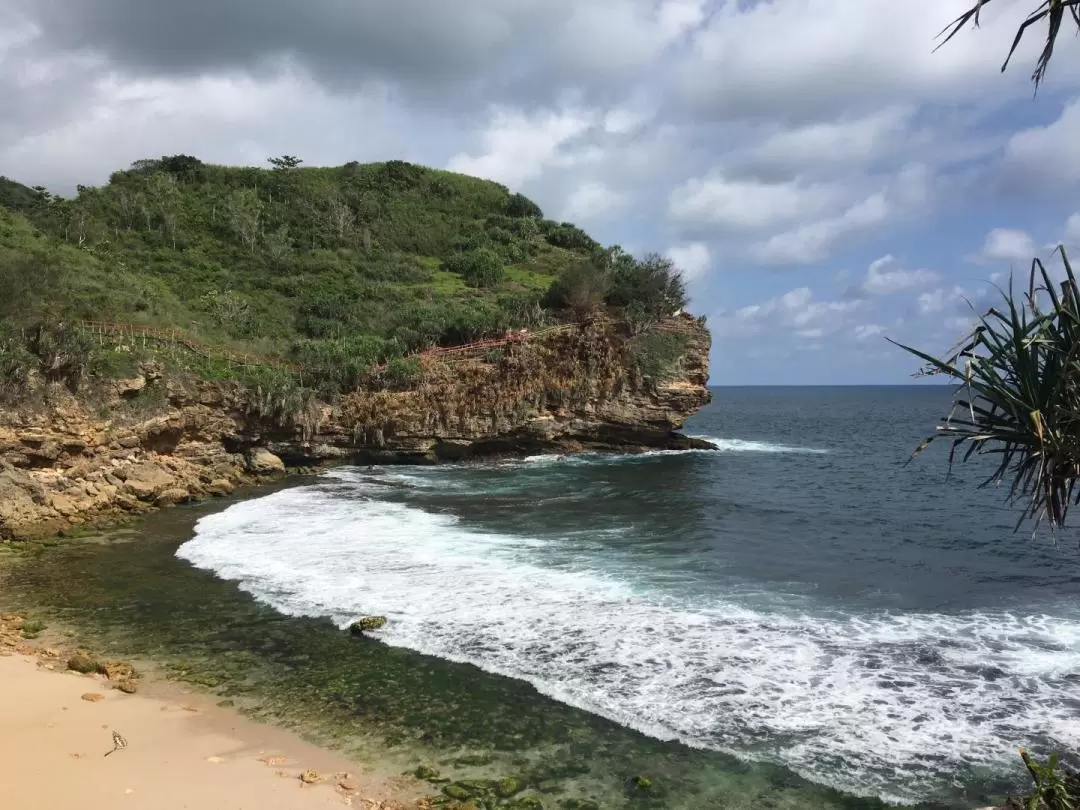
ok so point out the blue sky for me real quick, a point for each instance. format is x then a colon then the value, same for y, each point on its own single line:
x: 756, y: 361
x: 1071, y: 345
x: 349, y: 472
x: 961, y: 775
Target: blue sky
x: 821, y: 177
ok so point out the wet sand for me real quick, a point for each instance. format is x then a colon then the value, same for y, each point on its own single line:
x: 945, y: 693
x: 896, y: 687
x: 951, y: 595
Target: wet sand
x: 182, y: 752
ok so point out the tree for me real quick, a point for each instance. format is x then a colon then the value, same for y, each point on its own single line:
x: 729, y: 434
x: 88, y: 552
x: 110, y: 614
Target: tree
x: 164, y: 199
x: 342, y: 218
x: 1052, y: 12
x: 284, y: 162
x: 245, y: 216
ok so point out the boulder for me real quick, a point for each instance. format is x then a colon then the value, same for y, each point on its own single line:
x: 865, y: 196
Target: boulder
x: 220, y: 486
x: 362, y: 625
x: 261, y: 461
x: 147, y: 480
x: 129, y: 389
x: 173, y: 496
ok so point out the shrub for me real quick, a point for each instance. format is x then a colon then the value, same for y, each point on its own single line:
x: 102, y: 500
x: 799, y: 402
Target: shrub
x: 656, y: 354
x: 580, y: 288
x: 480, y: 268
x: 652, y: 284
x: 518, y: 205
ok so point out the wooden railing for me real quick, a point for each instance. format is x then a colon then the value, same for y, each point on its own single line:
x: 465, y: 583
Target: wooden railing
x: 176, y: 340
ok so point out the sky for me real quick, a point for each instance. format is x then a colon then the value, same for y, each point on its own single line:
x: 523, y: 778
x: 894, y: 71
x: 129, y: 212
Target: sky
x: 822, y: 178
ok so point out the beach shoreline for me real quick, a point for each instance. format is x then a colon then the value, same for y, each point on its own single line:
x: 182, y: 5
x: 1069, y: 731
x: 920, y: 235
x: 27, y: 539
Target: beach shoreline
x: 179, y: 749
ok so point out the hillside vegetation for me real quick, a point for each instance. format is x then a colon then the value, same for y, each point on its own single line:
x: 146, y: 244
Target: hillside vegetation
x: 339, y: 269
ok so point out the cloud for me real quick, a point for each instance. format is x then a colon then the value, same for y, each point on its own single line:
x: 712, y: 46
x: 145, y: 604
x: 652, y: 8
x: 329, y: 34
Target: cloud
x: 593, y: 201
x: 692, y: 259
x: 1008, y: 245
x: 1072, y: 230
x: 884, y: 277
x: 730, y: 203
x: 813, y: 59
x: 518, y: 146
x: 1049, y: 155
x: 814, y: 241
x: 940, y: 299
x: 794, y: 311
x: 850, y: 143
x: 865, y: 331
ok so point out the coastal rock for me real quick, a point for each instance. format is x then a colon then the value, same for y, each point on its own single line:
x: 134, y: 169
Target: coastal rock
x: 261, y: 461
x: 361, y: 626
x: 71, y: 463
x: 146, y: 480
x: 171, y: 497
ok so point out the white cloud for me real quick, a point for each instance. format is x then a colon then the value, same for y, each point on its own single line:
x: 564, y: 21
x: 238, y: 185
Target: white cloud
x: 692, y: 259
x: 1008, y: 245
x: 592, y: 202
x: 814, y: 241
x: 865, y: 331
x: 610, y: 38
x: 719, y: 200
x: 519, y: 146
x: 1072, y: 230
x: 884, y: 277
x: 815, y: 58
x: 938, y: 300
x: 1048, y: 155
x: 795, y: 311
x: 849, y: 142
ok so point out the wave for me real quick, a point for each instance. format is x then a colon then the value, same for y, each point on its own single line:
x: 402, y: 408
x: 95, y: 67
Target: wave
x: 747, y: 446
x: 885, y: 704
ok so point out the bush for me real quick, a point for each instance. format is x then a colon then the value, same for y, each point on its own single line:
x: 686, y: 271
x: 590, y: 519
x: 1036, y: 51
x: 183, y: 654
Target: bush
x: 656, y: 354
x: 571, y: 237
x: 580, y: 288
x: 518, y: 205
x: 652, y: 285
x: 480, y: 268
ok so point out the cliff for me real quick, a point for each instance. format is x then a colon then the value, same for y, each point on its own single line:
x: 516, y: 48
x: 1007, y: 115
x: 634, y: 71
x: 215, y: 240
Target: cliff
x: 160, y: 439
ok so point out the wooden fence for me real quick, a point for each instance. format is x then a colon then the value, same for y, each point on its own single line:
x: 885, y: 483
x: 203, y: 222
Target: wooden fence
x: 174, y: 340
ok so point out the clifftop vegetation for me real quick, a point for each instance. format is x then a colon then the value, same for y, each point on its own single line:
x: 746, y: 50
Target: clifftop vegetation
x: 339, y: 268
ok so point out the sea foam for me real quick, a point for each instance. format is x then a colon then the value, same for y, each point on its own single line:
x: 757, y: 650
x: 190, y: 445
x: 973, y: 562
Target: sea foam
x: 888, y: 704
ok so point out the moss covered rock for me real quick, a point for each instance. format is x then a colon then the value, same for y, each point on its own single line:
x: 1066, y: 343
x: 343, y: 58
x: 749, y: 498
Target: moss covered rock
x: 81, y: 662
x: 365, y: 623
x: 508, y: 786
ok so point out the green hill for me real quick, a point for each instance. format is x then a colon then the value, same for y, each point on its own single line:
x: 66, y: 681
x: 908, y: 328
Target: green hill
x: 338, y: 268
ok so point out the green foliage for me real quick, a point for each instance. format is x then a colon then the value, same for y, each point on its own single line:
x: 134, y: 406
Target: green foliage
x: 581, y: 288
x: 480, y: 268
x: 652, y: 287
x: 518, y: 205
x: 340, y: 268
x: 567, y: 235
x: 32, y: 628
x: 1053, y: 789
x: 402, y: 372
x: 1019, y: 393
x: 16, y: 196
x: 656, y: 355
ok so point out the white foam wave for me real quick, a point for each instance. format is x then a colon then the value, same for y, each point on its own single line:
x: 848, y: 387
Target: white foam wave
x: 884, y: 703
x: 747, y: 446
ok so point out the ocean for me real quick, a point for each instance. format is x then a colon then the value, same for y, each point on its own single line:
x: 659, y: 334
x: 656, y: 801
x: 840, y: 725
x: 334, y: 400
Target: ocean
x: 801, y: 598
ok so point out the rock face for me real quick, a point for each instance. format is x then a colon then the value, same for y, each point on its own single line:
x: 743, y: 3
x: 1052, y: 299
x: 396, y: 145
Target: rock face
x: 160, y: 442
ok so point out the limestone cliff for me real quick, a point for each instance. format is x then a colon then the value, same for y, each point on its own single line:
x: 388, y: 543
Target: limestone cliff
x: 159, y: 441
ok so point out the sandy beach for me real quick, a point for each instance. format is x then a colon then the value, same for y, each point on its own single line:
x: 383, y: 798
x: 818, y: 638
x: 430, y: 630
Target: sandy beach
x: 56, y: 727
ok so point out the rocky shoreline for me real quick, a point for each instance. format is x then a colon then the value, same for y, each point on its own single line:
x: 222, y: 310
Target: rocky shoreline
x: 69, y: 461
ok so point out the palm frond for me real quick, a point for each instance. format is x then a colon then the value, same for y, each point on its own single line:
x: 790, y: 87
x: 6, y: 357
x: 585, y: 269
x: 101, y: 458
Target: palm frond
x: 1052, y: 11
x: 1018, y: 394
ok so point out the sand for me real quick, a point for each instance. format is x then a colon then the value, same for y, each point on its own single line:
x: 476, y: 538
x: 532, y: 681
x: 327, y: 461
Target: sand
x: 180, y: 753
